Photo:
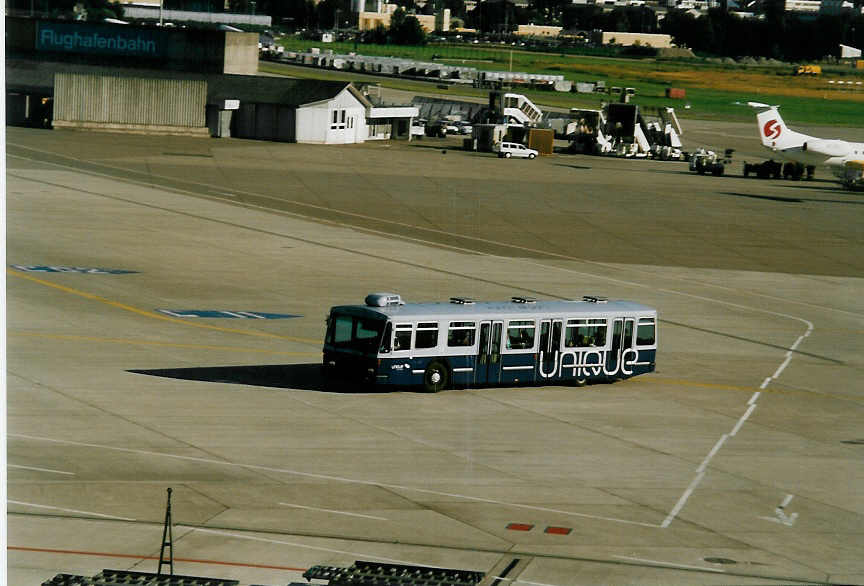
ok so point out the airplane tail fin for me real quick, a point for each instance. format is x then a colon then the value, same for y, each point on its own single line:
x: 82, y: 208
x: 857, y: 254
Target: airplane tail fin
x: 774, y: 133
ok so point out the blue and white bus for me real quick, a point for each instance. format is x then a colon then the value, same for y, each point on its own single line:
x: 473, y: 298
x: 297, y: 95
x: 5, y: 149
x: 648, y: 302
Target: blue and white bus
x: 472, y: 343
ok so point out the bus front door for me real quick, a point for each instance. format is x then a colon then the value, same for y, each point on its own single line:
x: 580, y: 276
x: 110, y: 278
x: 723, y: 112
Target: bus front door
x: 488, y: 367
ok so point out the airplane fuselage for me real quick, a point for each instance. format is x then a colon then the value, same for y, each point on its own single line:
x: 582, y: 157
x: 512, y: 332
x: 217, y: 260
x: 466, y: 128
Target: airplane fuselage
x: 844, y: 159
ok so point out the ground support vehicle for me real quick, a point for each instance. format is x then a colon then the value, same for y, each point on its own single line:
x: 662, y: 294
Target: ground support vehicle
x: 853, y: 176
x: 465, y: 343
x: 704, y: 161
x: 807, y: 70
x: 764, y: 170
x: 793, y: 170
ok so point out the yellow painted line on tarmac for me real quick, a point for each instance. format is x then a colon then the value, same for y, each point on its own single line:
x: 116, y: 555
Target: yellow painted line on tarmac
x: 150, y: 314
x: 657, y: 380
x: 155, y: 343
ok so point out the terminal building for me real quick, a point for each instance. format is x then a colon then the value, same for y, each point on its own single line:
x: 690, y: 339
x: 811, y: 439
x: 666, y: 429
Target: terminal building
x: 123, y: 78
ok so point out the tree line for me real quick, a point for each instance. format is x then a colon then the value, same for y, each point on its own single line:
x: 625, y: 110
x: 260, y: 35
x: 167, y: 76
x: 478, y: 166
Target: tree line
x: 780, y: 35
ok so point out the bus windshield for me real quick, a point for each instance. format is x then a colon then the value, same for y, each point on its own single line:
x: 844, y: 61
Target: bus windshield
x: 351, y: 332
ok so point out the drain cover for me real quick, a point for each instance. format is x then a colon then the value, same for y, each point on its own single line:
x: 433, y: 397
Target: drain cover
x: 719, y: 561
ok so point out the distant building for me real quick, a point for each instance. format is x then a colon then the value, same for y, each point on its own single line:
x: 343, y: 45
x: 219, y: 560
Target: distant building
x: 847, y: 52
x: 536, y: 30
x: 803, y: 6
x: 123, y: 78
x: 150, y: 10
x: 610, y: 4
x: 370, y: 20
x: 657, y: 41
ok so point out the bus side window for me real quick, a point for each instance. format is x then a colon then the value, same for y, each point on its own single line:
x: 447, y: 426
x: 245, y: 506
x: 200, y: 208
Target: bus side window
x: 585, y: 333
x: 645, y: 332
x: 461, y: 333
x: 599, y: 331
x: 402, y: 338
x: 520, y: 335
x: 427, y: 335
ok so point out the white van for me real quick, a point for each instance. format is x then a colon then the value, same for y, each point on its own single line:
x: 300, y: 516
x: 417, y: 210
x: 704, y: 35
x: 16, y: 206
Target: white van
x: 514, y: 149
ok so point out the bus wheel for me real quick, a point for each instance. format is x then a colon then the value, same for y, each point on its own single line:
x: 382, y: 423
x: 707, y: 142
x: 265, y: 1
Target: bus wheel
x: 435, y: 377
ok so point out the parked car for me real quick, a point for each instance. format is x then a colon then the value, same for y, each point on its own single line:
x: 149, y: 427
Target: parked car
x: 514, y: 149
x: 465, y: 127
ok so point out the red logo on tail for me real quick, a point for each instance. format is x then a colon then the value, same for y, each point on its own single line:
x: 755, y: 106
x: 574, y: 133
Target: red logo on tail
x: 771, y: 129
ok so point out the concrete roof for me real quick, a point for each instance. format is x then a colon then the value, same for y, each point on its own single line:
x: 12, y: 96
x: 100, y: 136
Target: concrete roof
x: 38, y: 77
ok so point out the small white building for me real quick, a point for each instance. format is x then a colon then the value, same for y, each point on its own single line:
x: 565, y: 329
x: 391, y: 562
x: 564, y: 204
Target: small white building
x: 340, y: 119
x: 309, y: 111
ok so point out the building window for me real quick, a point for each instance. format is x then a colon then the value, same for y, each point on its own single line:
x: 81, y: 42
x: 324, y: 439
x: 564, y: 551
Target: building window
x: 338, y: 120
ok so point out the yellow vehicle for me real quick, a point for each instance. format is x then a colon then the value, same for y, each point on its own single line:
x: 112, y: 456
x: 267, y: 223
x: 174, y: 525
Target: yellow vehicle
x: 808, y: 70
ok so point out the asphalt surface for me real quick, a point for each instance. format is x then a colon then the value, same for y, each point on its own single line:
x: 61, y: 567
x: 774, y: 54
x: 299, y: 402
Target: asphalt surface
x: 738, y: 461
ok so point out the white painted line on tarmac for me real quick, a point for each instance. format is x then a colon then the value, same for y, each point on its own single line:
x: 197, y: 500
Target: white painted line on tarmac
x: 39, y: 469
x: 670, y: 565
x: 683, y: 500
x: 712, y: 453
x: 700, y: 472
x: 70, y: 510
x: 741, y: 421
x: 780, y: 515
x: 798, y: 341
x: 354, y: 554
x: 783, y: 366
x: 334, y: 511
x: 333, y: 478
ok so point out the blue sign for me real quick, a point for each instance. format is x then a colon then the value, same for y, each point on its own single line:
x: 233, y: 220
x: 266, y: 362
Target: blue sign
x: 107, y: 40
x: 63, y: 269
x: 225, y: 314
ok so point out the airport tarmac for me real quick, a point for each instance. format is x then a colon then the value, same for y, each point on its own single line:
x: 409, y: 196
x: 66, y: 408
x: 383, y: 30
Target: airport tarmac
x: 189, y: 360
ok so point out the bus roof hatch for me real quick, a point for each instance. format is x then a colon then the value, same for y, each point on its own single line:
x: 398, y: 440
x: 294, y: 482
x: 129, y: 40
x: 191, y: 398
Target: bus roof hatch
x: 594, y: 299
x: 383, y: 299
